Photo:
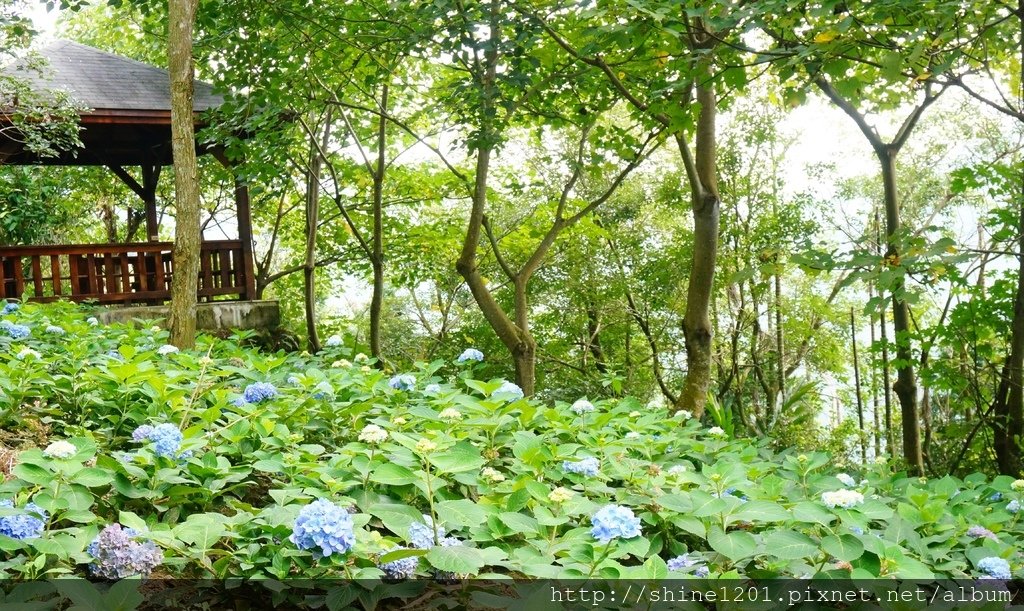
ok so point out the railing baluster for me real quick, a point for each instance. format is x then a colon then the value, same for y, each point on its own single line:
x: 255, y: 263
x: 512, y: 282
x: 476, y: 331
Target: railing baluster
x: 90, y: 264
x: 55, y: 274
x: 19, y: 279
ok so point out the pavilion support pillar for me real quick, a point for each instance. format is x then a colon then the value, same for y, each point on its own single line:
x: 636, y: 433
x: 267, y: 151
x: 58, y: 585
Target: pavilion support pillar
x: 245, y: 236
x: 244, y: 218
x: 150, y: 178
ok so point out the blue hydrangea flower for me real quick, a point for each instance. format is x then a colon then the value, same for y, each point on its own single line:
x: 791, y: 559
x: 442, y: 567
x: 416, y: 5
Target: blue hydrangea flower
x: 238, y: 401
x: 114, y: 354
x: 324, y: 390
x: 259, y: 391
x: 324, y: 528
x: 405, y: 381
x: 166, y: 440
x: 28, y: 524
x: 996, y: 497
x: 451, y: 542
x: 1013, y: 506
x: 857, y: 530
x: 432, y: 389
x: 294, y: 380
x: 471, y: 354
x: 681, y: 562
x: 118, y: 555
x: 508, y: 388
x: 995, y: 567
x: 10, y: 308
x: 402, y: 568
x: 589, y: 466
x: 18, y: 331
x: 613, y: 522
x: 582, y: 406
x: 421, y: 534
x: 333, y: 341
x: 55, y: 330
x: 702, y: 571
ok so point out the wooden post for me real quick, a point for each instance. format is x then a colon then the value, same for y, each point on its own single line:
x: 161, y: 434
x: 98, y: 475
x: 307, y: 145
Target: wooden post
x: 150, y: 178
x: 245, y: 236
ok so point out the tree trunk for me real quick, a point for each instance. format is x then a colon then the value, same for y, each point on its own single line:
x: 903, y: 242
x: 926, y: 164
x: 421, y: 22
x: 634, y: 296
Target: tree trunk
x: 187, y: 234
x: 312, y: 222
x: 906, y: 384
x: 377, y: 259
x: 594, y: 338
x: 856, y: 386
x: 1008, y: 407
x: 697, y: 330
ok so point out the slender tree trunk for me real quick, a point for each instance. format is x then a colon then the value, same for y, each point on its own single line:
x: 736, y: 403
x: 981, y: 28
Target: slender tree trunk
x: 187, y: 234
x: 312, y: 222
x: 594, y: 338
x: 906, y: 383
x: 875, y: 407
x: 779, y: 344
x: 1008, y: 407
x: 856, y: 385
x: 377, y: 260
x: 697, y: 330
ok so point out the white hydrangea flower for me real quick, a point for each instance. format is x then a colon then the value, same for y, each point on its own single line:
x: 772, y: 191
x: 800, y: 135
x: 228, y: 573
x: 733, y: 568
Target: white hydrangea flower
x: 1018, y: 485
x: 717, y: 431
x: 846, y: 479
x: 677, y: 469
x: 399, y: 420
x: 154, y: 329
x: 92, y: 321
x: 842, y: 498
x: 582, y: 406
x: 60, y: 449
x: 341, y: 364
x: 632, y: 435
x: 450, y: 414
x: 167, y: 349
x: 560, y: 495
x: 425, y: 446
x: 432, y: 389
x: 361, y: 358
x: 492, y: 475
x: 683, y: 414
x: 27, y: 352
x: 372, y: 433
x: 365, y: 369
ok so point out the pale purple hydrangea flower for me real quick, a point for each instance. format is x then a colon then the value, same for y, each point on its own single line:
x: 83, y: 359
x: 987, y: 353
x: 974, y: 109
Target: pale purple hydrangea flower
x: 118, y: 555
x: 28, y: 524
x: 589, y: 466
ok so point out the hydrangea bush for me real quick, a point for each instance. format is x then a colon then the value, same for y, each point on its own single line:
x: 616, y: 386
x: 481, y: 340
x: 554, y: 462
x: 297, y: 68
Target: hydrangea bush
x: 211, y: 465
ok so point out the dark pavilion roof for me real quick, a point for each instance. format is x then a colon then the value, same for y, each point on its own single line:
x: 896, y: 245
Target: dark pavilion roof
x: 128, y: 116
x: 104, y: 81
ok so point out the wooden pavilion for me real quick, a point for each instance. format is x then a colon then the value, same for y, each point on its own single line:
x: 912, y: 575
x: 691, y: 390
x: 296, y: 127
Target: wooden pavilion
x: 127, y: 125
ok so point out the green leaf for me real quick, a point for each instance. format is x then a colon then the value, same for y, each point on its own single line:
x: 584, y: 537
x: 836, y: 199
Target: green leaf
x: 735, y: 545
x: 519, y: 522
x: 460, y: 457
x: 456, y: 559
x: 844, y: 547
x: 761, y: 511
x: 202, y: 530
x: 806, y: 511
x: 462, y: 512
x: 92, y: 477
x: 391, y: 474
x: 790, y: 545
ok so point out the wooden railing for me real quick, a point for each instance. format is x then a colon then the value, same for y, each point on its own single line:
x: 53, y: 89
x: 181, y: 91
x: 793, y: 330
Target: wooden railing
x: 115, y: 273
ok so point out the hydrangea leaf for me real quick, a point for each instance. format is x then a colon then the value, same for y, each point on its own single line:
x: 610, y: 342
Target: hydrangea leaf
x: 457, y: 559
x: 843, y: 547
x: 790, y: 545
x: 735, y: 545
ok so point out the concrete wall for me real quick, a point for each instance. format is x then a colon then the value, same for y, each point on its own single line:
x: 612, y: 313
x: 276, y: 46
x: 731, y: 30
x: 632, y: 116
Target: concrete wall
x: 212, y: 316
